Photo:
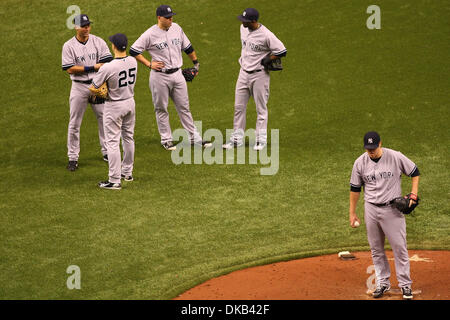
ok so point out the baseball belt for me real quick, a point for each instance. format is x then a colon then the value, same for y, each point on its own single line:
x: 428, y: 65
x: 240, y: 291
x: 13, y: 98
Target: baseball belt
x: 168, y: 71
x: 254, y: 71
x: 85, y: 82
x: 383, y: 204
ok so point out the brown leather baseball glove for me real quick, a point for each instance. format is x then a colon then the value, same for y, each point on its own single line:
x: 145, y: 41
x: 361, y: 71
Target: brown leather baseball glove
x: 98, y: 95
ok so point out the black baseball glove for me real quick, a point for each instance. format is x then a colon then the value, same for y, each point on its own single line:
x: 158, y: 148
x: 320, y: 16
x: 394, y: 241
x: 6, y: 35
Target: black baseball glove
x: 402, y: 203
x: 189, y: 73
x: 271, y: 65
x: 93, y: 99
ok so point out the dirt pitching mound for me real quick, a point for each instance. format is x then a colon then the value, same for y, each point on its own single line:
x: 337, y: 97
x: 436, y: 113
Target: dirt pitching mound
x: 327, y: 278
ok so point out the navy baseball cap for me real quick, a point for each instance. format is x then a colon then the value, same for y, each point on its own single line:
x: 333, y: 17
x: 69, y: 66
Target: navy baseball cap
x: 371, y: 140
x: 120, y: 41
x: 164, y: 11
x: 249, y: 15
x: 81, y: 20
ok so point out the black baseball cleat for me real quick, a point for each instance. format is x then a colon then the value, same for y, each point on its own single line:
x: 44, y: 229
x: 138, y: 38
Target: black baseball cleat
x: 407, y: 293
x: 203, y: 143
x: 105, y: 157
x: 380, y: 291
x: 109, y: 185
x: 127, y: 178
x: 169, y: 146
x: 72, y: 166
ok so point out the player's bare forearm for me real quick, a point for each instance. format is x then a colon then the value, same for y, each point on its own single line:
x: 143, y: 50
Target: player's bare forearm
x: 76, y: 70
x: 82, y: 69
x: 354, y: 197
x: 143, y: 60
x: 192, y: 56
x: 415, y: 185
x: 155, y: 65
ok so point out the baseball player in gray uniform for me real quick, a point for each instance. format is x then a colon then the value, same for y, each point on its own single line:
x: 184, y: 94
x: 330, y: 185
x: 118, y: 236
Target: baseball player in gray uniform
x: 258, y: 42
x: 164, y: 42
x: 119, y: 113
x: 82, y: 56
x: 379, y: 171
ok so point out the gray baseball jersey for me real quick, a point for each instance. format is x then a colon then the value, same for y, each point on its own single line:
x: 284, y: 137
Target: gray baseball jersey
x: 120, y: 75
x: 256, y: 45
x: 253, y: 80
x: 119, y: 114
x: 75, y: 53
x: 382, y: 179
x: 166, y: 46
x: 382, y: 182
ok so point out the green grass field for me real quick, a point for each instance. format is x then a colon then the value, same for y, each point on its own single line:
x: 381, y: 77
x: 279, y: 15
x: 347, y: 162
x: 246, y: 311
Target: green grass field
x: 176, y: 226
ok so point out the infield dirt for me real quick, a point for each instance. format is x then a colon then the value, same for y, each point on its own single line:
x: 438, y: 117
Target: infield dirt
x: 327, y: 278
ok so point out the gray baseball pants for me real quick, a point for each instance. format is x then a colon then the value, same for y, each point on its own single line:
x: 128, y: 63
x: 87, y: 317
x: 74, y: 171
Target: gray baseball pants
x: 78, y: 100
x: 119, y: 119
x: 172, y: 85
x: 257, y: 85
x: 382, y: 222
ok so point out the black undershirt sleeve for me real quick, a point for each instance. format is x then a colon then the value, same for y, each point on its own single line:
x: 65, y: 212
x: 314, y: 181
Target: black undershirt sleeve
x: 415, y: 173
x: 355, y: 189
x: 134, y: 53
x: 105, y: 60
x: 189, y: 49
x: 281, y: 54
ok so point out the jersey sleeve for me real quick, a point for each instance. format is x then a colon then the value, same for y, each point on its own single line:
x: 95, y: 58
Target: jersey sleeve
x: 356, y: 181
x: 406, y: 166
x: 185, y: 43
x: 104, y: 55
x: 141, y: 44
x: 68, y: 60
x: 275, y: 45
x: 101, y: 76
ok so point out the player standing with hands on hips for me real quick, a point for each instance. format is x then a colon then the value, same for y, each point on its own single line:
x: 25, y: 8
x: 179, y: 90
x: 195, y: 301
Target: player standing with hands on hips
x: 164, y: 42
x: 82, y: 56
x: 119, y: 114
x: 260, y: 47
x: 379, y: 171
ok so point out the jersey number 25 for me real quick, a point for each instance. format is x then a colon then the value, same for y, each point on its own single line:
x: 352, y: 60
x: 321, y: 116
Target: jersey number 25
x: 123, y: 76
